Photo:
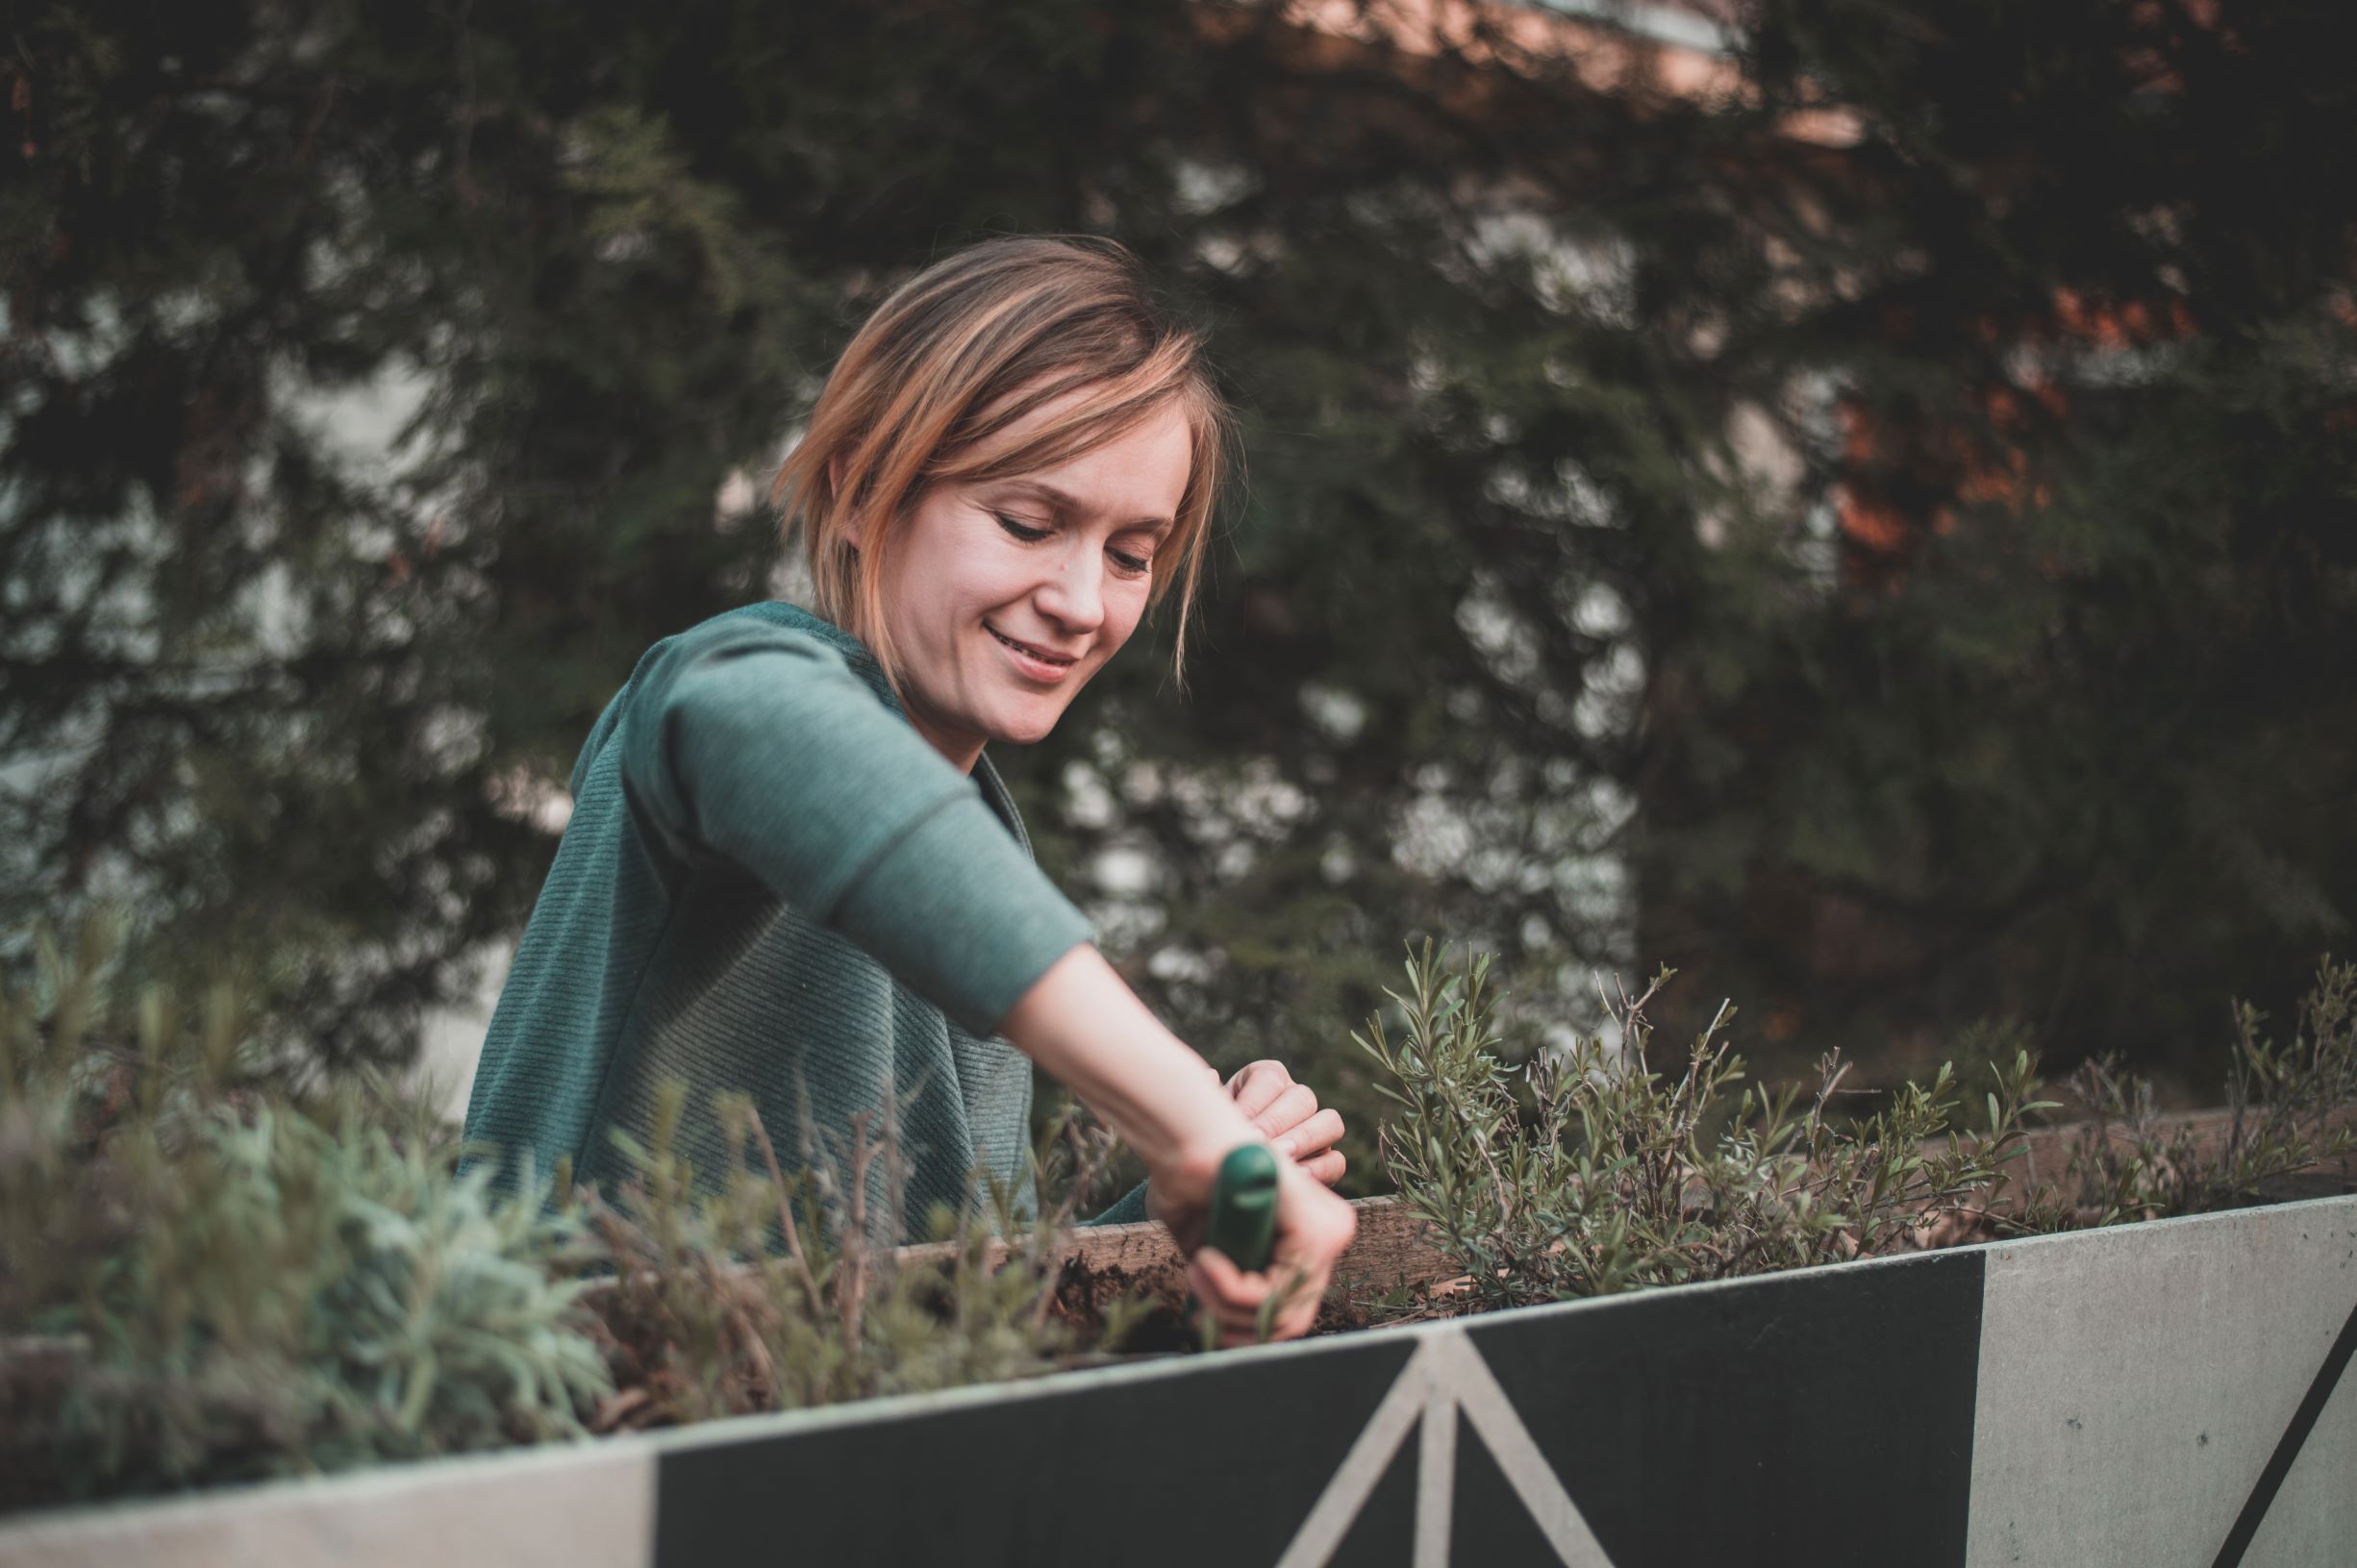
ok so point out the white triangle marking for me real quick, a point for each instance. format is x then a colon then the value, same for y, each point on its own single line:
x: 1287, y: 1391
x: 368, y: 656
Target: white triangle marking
x: 1445, y: 1375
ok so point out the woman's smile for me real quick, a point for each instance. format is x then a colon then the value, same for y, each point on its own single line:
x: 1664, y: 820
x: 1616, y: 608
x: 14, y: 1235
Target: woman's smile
x: 1033, y: 661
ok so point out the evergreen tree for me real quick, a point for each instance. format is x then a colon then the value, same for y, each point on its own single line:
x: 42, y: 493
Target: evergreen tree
x: 1521, y: 636
x: 2073, y: 735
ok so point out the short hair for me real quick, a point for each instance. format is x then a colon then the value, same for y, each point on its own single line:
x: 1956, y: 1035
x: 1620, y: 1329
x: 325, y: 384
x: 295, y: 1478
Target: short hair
x: 960, y: 351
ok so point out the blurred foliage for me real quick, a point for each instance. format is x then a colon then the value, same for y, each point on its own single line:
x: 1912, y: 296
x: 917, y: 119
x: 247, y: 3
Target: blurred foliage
x: 1893, y: 577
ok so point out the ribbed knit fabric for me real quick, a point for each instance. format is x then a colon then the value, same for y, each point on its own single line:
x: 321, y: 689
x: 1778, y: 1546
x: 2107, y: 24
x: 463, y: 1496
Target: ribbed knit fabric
x: 771, y: 884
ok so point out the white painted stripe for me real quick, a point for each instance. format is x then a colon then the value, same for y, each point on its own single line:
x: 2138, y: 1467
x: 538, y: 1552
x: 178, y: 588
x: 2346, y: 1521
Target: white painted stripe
x: 568, y: 1508
x: 1435, y: 1484
x: 2134, y: 1384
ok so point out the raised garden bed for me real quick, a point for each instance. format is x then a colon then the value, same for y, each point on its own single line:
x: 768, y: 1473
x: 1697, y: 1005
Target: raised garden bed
x: 1392, y: 1248
x: 2155, y: 1392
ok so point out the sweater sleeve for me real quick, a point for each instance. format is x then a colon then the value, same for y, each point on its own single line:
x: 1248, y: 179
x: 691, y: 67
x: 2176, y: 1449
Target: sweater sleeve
x: 1127, y: 1209
x: 760, y: 744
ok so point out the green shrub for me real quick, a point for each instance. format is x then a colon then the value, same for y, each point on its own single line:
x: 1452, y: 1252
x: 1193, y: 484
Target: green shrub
x: 215, y: 1267
x: 207, y: 1274
x: 1590, y: 1171
x: 2287, y: 1110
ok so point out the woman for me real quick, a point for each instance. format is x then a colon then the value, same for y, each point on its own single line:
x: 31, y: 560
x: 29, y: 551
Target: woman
x: 792, y: 871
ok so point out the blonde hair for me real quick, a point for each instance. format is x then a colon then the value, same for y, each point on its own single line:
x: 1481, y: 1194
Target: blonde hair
x: 955, y: 356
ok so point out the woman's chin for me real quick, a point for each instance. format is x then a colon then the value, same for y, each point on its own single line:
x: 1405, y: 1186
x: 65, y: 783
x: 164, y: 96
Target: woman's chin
x: 1025, y: 727
x: 1021, y: 734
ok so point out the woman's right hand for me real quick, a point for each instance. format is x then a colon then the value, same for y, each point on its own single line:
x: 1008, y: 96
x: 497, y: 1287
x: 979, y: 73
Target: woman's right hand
x: 1313, y: 1228
x: 1084, y: 1025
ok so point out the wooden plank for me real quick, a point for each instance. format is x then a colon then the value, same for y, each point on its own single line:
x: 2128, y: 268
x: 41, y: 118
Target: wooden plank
x: 2046, y: 1153
x: 1389, y: 1250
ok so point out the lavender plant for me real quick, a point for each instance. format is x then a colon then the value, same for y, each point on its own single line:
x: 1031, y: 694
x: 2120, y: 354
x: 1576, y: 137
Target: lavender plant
x: 1591, y: 1171
x: 2289, y: 1109
x: 769, y: 1289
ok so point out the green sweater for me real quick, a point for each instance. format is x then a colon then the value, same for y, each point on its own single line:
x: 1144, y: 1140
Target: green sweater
x: 772, y: 884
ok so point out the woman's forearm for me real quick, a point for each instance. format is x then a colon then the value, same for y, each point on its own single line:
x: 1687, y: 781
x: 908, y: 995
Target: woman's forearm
x: 1082, y: 1022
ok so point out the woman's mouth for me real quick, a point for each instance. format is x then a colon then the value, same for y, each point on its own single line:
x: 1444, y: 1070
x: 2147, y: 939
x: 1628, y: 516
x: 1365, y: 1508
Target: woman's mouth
x: 1037, y: 662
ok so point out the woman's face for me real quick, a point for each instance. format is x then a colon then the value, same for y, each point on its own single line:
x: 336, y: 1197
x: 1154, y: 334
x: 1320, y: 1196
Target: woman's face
x: 1005, y: 596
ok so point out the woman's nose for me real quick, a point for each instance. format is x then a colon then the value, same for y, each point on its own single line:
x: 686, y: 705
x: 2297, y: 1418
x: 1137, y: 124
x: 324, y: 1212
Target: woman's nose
x: 1074, y: 596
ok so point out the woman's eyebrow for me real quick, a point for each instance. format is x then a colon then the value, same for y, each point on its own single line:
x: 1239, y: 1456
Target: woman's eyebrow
x: 1067, y: 501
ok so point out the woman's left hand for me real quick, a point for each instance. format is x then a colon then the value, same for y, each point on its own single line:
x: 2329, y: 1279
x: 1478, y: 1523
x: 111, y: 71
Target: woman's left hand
x: 1286, y: 1113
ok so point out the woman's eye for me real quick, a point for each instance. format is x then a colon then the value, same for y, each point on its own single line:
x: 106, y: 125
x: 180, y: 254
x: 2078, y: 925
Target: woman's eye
x: 1129, y: 565
x: 1021, y: 531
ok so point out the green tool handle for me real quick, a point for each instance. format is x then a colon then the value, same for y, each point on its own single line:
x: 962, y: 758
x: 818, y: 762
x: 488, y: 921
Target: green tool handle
x: 1244, y: 1220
